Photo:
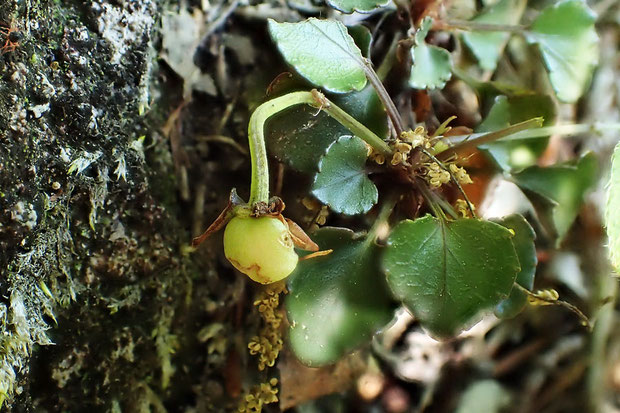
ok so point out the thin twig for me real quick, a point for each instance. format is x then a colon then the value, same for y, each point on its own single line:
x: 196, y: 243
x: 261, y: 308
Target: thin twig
x: 385, y: 98
x: 584, y: 319
x: 427, y: 194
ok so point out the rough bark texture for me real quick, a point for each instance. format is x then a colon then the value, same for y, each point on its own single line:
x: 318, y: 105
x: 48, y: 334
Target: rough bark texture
x: 101, y: 305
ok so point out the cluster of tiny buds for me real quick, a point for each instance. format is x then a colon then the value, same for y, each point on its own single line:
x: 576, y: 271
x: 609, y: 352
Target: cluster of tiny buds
x: 260, y: 395
x: 416, y: 137
x: 543, y: 297
x: 462, y: 208
x: 401, y: 153
x: 268, y: 343
x: 407, y: 141
x: 320, y: 212
x: 438, y: 175
x: 460, y: 174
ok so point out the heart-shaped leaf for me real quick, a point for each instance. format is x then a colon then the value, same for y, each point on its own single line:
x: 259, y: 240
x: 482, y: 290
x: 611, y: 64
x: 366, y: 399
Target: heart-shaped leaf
x: 342, y: 181
x: 506, y: 111
x: 567, y: 39
x: 612, y: 210
x: 300, y: 136
x: 448, y: 273
x: 322, y: 51
x: 557, y: 192
x: 488, y: 46
x: 350, y: 6
x: 523, y: 242
x: 336, y: 302
x: 432, y: 65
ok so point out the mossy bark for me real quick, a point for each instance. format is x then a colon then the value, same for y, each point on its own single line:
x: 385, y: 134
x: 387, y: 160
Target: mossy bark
x: 101, y: 305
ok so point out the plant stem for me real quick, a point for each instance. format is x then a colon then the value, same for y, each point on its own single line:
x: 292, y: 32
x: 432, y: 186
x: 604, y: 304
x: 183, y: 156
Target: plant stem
x: 584, y: 320
x: 349, y: 122
x: 461, y: 142
x: 565, y: 130
x: 428, y: 195
x: 469, y: 25
x: 259, y: 188
x: 385, y: 98
x: 523, y: 130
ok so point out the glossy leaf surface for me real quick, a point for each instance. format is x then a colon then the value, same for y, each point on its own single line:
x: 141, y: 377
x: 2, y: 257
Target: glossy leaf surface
x: 432, y: 65
x: 523, y: 242
x: 487, y: 47
x: 342, y: 181
x: 322, y: 51
x: 448, y: 273
x: 350, y: 6
x: 336, y: 302
x: 567, y: 39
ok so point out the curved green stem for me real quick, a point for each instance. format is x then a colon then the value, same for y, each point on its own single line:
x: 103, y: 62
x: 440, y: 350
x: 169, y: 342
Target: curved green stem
x: 259, y: 189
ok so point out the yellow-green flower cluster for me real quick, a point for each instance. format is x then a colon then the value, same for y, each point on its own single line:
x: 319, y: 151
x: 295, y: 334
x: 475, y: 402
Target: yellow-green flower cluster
x: 268, y: 343
x: 462, y: 208
x: 543, y: 297
x: 460, y: 174
x: 436, y: 175
x: 416, y: 137
x: 260, y: 395
x: 401, y: 153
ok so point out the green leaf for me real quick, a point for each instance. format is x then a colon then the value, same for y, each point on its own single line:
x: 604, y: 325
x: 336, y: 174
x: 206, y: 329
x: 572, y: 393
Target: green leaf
x: 557, y: 192
x: 612, y: 210
x: 432, y: 65
x: 523, y: 242
x: 342, y: 181
x: 448, y: 273
x: 362, y: 37
x: 350, y: 6
x: 568, y: 42
x: 336, y: 302
x: 488, y: 47
x: 300, y: 136
x: 322, y: 51
x: 506, y: 111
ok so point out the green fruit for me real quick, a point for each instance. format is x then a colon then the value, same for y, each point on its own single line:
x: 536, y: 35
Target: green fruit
x: 261, y: 248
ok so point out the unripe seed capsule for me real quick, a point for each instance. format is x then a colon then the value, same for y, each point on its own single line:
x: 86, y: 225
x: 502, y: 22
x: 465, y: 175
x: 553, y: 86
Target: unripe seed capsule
x: 261, y: 248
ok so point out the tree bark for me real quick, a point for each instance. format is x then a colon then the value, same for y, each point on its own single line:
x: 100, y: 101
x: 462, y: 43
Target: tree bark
x: 102, y: 306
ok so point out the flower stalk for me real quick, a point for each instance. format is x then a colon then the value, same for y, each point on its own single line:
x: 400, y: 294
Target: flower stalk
x: 259, y: 188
